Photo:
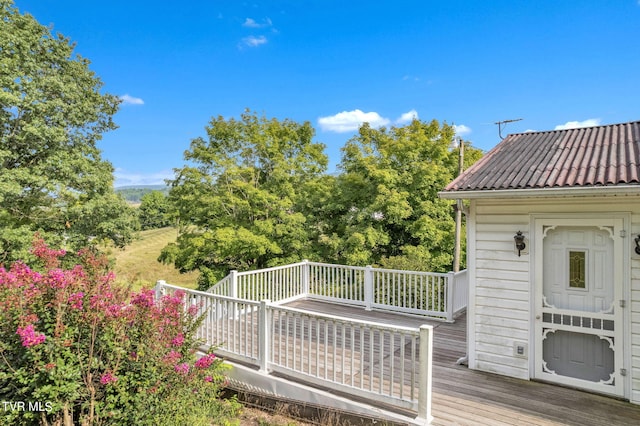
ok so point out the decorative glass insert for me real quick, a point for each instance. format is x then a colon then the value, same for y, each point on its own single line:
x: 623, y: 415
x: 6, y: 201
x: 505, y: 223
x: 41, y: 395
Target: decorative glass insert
x: 577, y: 268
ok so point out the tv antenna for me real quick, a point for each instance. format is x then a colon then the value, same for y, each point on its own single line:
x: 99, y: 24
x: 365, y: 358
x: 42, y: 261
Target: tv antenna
x: 503, y: 122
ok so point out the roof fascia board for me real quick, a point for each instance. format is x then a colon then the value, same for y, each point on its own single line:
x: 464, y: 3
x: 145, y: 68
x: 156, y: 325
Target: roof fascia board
x: 543, y: 192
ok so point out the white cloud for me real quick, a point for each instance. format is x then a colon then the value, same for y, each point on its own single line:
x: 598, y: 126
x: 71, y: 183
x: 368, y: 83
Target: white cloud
x: 130, y: 100
x: 253, y: 41
x: 578, y: 124
x: 461, y: 130
x: 349, y: 121
x: 127, y: 178
x: 407, y: 117
x: 252, y: 23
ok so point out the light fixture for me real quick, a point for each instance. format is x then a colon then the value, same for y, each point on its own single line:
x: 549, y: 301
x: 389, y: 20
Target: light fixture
x: 520, y: 245
x: 637, y: 240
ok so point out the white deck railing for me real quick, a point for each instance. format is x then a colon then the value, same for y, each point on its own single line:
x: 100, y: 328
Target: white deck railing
x: 278, y: 284
x: 432, y: 294
x: 459, y: 292
x: 384, y: 363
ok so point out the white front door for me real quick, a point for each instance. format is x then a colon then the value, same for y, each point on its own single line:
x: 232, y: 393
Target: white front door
x: 579, y: 320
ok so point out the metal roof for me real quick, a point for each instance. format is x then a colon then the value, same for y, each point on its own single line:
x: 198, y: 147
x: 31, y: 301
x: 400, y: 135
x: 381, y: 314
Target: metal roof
x: 573, y: 158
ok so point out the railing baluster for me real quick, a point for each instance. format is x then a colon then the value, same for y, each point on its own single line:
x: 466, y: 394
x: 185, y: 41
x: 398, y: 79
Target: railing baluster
x: 326, y: 346
x: 362, y: 355
x: 372, y: 364
x: 318, y: 348
x: 344, y: 348
x: 353, y: 355
x: 402, y: 365
x: 333, y: 363
x: 391, y: 363
x: 381, y: 361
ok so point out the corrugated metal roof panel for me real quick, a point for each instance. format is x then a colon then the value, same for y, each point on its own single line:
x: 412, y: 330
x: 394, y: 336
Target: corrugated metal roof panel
x: 590, y: 156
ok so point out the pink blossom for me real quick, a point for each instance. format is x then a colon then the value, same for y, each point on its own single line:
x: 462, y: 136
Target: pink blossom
x: 18, y: 276
x: 178, y: 340
x: 108, y: 277
x: 172, y: 357
x: 193, y: 310
x: 57, y: 278
x: 75, y: 300
x: 144, y: 299
x: 114, y: 310
x: 108, y: 378
x: 31, y: 291
x: 205, y: 361
x: 208, y: 379
x: 29, y: 336
x: 101, y: 301
x: 182, y: 368
x: 41, y: 250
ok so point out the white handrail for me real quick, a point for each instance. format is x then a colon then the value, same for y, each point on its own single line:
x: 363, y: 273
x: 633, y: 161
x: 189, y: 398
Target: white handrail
x: 439, y: 295
x: 366, y: 359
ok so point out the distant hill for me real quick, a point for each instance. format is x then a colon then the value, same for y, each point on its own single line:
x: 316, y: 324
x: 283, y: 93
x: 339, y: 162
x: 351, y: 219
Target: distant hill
x: 133, y: 194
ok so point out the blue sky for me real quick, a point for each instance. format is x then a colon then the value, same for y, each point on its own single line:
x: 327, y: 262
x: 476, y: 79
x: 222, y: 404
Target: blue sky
x: 337, y: 63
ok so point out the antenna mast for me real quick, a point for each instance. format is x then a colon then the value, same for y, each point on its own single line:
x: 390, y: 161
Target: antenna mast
x: 500, y: 123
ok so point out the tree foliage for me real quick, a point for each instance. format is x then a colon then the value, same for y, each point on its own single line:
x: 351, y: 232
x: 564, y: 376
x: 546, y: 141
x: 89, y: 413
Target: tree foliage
x: 385, y: 208
x: 255, y: 195
x: 154, y: 210
x: 238, y: 200
x: 52, y: 113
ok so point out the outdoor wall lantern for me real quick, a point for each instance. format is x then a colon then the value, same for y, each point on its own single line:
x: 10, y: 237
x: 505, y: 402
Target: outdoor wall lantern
x: 637, y: 240
x: 520, y: 245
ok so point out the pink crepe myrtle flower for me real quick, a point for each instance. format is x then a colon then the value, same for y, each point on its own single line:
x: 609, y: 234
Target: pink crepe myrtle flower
x: 178, y: 340
x: 75, y: 300
x: 182, y: 368
x: 172, y: 357
x: 108, y: 378
x: 193, y: 310
x: 29, y: 336
x: 145, y: 298
x: 205, y: 361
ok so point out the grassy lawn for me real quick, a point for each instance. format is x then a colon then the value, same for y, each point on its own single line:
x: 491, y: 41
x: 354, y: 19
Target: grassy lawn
x: 137, y: 265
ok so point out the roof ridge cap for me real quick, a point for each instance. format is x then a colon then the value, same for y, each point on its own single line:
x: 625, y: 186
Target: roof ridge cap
x: 573, y: 128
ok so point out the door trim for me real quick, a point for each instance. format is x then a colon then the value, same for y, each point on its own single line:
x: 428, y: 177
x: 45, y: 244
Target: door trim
x: 622, y: 291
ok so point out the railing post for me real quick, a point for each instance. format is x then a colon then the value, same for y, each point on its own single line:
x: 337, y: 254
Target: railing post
x: 233, y: 285
x: 425, y: 374
x: 449, y: 290
x: 305, y: 278
x: 159, y: 289
x: 368, y: 288
x: 264, y: 336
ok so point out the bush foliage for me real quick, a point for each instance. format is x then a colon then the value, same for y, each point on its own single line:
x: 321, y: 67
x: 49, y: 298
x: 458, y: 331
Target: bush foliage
x: 75, y: 349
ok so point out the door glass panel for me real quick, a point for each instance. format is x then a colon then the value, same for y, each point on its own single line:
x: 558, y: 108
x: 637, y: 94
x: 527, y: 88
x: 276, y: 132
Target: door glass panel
x: 577, y: 266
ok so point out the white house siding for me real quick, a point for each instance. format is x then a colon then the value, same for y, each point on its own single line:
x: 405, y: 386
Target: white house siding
x: 500, y: 302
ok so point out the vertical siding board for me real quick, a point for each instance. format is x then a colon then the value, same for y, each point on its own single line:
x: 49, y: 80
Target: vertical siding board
x: 499, y: 281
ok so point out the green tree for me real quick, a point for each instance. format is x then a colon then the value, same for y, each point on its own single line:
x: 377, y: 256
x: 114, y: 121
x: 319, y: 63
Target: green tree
x: 154, y: 210
x: 52, y: 113
x: 238, y: 200
x: 386, y: 206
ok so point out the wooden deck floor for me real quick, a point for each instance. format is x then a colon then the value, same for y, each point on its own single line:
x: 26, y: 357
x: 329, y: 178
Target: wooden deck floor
x: 466, y: 397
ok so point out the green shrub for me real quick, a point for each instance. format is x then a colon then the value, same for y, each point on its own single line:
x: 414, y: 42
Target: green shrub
x: 75, y: 349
